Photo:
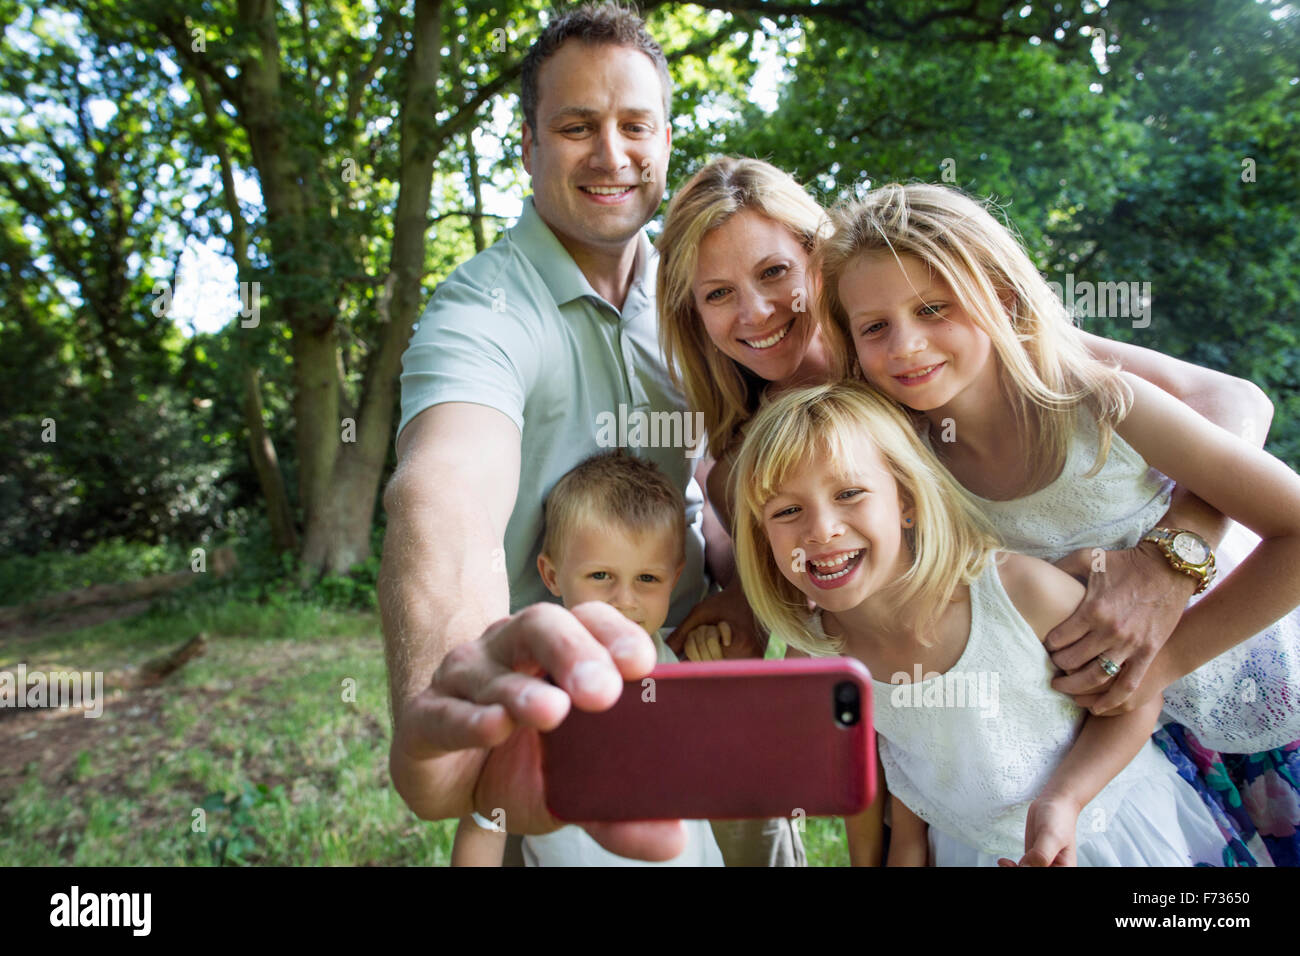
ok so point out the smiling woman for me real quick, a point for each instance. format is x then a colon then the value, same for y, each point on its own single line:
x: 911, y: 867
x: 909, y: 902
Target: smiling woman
x: 734, y: 292
x: 750, y: 282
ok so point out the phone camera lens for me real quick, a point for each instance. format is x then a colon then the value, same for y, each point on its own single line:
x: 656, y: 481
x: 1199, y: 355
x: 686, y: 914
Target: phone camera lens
x: 847, y: 704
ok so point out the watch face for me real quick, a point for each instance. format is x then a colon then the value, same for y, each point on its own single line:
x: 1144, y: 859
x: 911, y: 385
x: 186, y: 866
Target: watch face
x: 1190, y: 548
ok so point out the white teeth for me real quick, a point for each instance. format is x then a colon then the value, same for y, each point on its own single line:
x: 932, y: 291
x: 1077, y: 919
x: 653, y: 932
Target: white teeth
x: 606, y: 190
x: 922, y: 372
x: 771, y: 340
x: 822, y: 568
x: 838, y: 560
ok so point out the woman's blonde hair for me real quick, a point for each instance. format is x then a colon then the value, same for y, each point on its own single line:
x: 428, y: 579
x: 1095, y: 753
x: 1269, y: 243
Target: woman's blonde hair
x: 949, y: 540
x: 1044, y: 368
x: 724, y: 391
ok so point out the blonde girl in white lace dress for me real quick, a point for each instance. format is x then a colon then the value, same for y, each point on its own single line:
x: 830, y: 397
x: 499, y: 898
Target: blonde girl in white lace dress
x: 839, y: 503
x: 948, y: 317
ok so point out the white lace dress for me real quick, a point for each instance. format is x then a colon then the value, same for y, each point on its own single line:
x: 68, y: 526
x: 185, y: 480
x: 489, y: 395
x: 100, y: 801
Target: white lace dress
x: 1246, y: 700
x: 969, y: 750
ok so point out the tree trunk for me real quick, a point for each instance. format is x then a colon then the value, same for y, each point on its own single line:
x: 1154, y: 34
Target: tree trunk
x: 476, y: 190
x: 284, y: 536
x: 320, y: 430
x: 261, y: 450
x: 340, y: 462
x: 337, y: 532
x: 339, y: 537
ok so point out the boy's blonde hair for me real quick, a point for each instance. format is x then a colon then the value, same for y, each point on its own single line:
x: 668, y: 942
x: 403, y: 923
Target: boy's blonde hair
x: 1044, y: 368
x: 614, y: 488
x: 723, y: 390
x: 949, y: 540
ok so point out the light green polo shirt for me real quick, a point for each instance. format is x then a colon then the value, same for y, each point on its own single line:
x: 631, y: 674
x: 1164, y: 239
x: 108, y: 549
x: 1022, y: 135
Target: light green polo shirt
x: 519, y: 328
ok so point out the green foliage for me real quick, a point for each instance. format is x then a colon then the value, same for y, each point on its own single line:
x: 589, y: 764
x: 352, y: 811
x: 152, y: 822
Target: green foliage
x: 1112, y: 137
x: 120, y: 464
x: 1122, y: 169
x: 236, y: 841
x: 27, y: 577
x: 269, y: 579
x: 263, y: 582
x: 356, y: 590
x: 98, y: 441
x: 1204, y: 212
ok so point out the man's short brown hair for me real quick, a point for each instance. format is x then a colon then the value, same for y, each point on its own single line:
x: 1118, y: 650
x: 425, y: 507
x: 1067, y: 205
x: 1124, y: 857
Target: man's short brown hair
x: 616, y: 24
x: 618, y: 489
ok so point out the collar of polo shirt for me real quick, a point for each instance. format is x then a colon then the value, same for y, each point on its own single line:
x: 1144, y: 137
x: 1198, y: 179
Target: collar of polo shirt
x: 558, y: 270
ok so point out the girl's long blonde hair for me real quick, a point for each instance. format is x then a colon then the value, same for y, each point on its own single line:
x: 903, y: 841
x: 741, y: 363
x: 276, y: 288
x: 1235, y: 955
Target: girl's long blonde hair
x: 723, y: 390
x: 1044, y: 368
x: 950, y: 541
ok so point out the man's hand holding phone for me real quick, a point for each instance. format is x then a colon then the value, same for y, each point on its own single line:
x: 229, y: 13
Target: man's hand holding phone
x: 470, y: 740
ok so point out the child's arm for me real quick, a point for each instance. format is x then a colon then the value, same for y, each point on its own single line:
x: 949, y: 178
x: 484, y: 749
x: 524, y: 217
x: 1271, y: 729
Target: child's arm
x: 476, y: 846
x: 1104, y: 747
x: 865, y: 832
x: 1245, y: 483
x: 909, y: 843
x: 1043, y: 594
x: 1232, y: 403
x: 718, y: 556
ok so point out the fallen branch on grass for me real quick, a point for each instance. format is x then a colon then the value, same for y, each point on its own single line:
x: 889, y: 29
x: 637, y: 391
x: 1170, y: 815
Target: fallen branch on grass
x: 156, y: 669
x: 58, y: 692
x: 220, y: 562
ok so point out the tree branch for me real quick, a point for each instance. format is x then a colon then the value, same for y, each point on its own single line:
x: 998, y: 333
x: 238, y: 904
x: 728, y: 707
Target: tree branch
x: 704, y: 44
x: 175, y: 34
x: 886, y: 24
x: 238, y: 237
x: 358, y: 82
x: 305, y: 19
x: 465, y: 115
x: 36, y: 205
x: 467, y: 213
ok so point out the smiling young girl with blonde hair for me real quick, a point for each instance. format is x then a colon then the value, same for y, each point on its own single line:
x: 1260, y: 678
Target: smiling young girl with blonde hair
x: 947, y: 316
x: 840, y: 504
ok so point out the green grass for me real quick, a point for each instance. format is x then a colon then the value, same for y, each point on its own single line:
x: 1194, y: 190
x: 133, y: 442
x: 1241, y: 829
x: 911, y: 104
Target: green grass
x: 255, y: 735
x: 824, y: 842
x: 264, y: 706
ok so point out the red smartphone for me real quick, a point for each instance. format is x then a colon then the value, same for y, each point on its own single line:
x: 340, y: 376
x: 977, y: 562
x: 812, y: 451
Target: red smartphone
x: 722, y: 740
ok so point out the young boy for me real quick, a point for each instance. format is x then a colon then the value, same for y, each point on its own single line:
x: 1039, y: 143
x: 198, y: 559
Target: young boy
x: 615, y: 532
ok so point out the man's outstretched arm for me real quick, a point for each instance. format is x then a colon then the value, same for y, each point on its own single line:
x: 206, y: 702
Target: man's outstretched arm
x: 448, y: 503
x: 467, y: 685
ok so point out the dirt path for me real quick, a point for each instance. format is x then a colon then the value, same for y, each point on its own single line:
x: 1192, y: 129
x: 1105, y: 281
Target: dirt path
x: 135, y: 730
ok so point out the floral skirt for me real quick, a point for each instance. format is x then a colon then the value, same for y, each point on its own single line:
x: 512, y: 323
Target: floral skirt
x: 1254, y: 798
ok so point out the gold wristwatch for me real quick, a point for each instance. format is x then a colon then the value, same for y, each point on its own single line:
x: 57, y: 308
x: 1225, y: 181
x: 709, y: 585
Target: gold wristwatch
x: 1186, y: 551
